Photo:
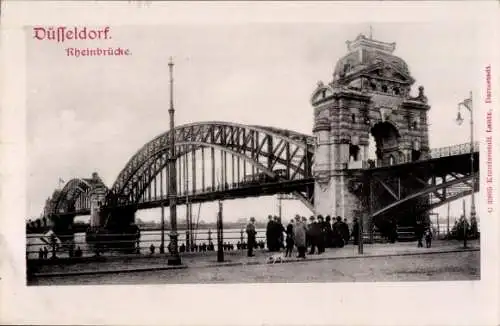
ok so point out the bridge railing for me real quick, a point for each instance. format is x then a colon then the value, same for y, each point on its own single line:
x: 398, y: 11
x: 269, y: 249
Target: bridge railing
x: 453, y: 150
x: 148, y: 243
x: 434, y: 153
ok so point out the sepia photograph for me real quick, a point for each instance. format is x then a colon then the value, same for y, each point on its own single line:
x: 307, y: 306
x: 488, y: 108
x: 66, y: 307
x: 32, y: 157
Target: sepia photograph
x: 260, y: 153
x: 220, y: 163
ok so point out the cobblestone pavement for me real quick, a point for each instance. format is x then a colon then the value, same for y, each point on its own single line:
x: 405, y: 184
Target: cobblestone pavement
x: 194, y: 260
x: 443, y: 266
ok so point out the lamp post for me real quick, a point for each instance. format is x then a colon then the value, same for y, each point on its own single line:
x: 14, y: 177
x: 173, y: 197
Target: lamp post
x: 467, y: 103
x: 220, y: 235
x: 174, y: 258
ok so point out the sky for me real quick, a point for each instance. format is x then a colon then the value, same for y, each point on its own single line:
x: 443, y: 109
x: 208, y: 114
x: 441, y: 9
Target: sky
x: 93, y: 113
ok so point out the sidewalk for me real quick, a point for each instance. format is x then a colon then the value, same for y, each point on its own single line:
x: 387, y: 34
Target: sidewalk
x: 234, y: 258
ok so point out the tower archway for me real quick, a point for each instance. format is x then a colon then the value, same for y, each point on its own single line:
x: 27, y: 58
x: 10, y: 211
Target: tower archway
x: 387, y: 138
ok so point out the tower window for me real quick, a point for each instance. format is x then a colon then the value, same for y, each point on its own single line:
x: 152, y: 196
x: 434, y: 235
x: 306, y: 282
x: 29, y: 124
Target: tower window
x: 353, y: 153
x: 353, y: 118
x: 384, y: 88
x: 414, y: 125
x: 391, y: 160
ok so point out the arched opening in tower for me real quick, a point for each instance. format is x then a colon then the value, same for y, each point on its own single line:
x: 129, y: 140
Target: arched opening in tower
x: 415, y: 155
x: 386, y: 143
x: 391, y: 160
x: 353, y: 153
x: 372, y: 148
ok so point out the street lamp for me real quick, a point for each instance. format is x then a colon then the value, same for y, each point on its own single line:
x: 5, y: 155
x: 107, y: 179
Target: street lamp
x: 467, y: 103
x: 174, y: 258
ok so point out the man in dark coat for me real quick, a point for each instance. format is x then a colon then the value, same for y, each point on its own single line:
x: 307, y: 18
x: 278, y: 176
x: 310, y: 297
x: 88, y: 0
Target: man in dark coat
x: 329, y: 232
x: 345, y: 231
x: 393, y: 231
x: 269, y: 233
x: 355, y: 231
x: 321, y: 242
x: 251, y: 232
x: 337, y: 233
x: 279, y: 230
x: 289, y: 239
x: 313, y: 234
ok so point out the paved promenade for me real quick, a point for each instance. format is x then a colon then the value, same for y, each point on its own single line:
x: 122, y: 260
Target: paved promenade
x: 238, y: 260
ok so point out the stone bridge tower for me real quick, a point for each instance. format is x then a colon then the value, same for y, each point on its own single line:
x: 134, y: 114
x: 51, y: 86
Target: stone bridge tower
x: 97, y: 194
x: 369, y: 96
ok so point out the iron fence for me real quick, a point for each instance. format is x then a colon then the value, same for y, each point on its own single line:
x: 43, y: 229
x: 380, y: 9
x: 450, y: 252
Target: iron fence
x: 148, y: 242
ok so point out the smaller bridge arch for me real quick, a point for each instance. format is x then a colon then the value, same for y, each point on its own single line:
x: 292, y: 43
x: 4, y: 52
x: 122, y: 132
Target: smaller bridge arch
x: 75, y: 196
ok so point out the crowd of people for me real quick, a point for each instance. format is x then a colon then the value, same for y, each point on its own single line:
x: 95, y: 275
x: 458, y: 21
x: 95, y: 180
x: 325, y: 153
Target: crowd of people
x: 318, y: 234
x: 204, y: 247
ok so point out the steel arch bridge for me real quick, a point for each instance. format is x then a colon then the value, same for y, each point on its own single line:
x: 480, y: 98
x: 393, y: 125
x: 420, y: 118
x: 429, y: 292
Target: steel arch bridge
x: 221, y: 160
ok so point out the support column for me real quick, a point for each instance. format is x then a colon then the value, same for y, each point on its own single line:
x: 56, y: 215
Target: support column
x: 203, y: 169
x: 193, y: 170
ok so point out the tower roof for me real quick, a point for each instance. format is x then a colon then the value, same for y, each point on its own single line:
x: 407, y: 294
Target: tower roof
x: 368, y: 43
x: 365, y: 52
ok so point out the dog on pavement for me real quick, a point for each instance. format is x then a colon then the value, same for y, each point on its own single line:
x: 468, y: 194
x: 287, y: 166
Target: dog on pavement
x: 278, y: 258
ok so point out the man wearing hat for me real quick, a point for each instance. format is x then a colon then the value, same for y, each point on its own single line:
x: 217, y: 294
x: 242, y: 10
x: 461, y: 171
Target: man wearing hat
x: 251, y: 236
x: 300, y: 237
x: 269, y: 233
x: 337, y: 233
x: 355, y: 230
x: 321, y: 239
x: 313, y: 234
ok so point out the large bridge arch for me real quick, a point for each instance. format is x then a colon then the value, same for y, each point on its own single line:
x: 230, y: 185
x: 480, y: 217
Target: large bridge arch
x: 263, y: 148
x: 162, y: 160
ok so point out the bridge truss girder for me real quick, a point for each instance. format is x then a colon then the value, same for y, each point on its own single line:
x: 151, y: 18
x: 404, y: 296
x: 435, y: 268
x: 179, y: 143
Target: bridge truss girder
x: 418, y: 187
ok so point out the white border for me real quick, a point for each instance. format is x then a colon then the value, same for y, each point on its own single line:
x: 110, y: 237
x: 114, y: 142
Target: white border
x: 433, y: 303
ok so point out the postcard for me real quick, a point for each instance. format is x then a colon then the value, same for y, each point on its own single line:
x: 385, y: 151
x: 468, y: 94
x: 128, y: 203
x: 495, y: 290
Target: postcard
x: 250, y: 163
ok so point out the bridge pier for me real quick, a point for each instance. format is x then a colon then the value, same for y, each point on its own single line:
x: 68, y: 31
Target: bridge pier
x: 62, y: 225
x: 97, y: 199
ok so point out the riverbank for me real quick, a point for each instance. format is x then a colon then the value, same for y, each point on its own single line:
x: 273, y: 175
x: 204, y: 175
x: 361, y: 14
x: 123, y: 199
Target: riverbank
x: 137, y: 263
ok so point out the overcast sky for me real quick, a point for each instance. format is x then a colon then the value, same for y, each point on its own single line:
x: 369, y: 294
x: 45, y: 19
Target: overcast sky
x: 93, y: 113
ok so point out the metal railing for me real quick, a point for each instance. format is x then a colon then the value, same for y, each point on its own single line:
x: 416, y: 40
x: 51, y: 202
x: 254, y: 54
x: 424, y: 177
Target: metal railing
x: 148, y: 243
x: 453, y: 150
x: 459, y: 149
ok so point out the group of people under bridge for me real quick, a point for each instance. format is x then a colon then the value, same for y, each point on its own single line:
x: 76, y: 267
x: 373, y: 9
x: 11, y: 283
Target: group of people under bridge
x: 318, y: 234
